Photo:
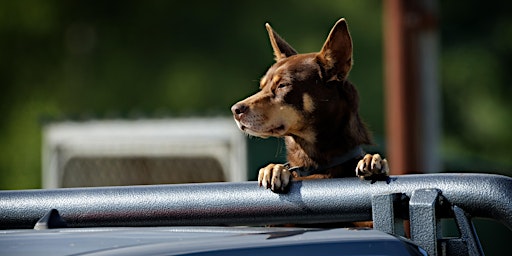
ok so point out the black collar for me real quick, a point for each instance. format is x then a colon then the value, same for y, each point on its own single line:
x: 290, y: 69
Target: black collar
x: 306, y: 171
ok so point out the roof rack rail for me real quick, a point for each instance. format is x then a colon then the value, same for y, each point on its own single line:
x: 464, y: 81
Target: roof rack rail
x: 422, y: 199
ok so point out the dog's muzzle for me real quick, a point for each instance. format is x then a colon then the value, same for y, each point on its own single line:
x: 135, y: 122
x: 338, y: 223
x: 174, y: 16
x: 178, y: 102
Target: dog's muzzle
x: 238, y: 110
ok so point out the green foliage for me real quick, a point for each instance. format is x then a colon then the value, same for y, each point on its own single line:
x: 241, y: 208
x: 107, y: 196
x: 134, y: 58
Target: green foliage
x: 477, y: 85
x: 124, y: 59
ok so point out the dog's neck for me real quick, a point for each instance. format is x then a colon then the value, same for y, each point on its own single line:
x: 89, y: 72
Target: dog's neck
x: 328, y: 144
x: 339, y: 164
x: 308, y: 159
x: 306, y: 154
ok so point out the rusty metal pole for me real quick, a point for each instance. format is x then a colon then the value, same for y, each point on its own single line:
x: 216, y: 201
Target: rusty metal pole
x: 410, y: 86
x: 396, y: 107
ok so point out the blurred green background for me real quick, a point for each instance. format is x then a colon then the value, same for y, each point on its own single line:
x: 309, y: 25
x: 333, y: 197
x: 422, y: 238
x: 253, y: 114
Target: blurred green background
x: 80, y: 60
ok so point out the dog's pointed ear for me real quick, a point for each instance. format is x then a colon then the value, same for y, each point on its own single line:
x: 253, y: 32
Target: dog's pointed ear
x: 281, y: 48
x: 336, y: 54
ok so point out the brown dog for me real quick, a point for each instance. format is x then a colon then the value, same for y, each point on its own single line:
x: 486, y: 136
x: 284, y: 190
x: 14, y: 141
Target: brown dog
x: 307, y: 99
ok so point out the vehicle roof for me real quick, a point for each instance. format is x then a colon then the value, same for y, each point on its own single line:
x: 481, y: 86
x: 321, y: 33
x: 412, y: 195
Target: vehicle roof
x: 201, y: 241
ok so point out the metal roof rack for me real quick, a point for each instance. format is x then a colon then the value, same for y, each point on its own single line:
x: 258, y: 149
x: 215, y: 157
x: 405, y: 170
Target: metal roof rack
x: 422, y: 199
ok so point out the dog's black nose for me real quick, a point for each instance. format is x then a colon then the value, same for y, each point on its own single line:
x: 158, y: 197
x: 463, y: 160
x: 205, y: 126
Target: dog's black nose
x: 238, y: 109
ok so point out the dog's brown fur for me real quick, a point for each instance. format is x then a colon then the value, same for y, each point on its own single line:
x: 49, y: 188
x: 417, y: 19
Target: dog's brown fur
x: 307, y: 99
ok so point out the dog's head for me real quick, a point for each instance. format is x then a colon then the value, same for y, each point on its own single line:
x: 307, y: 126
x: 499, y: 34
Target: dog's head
x: 301, y: 90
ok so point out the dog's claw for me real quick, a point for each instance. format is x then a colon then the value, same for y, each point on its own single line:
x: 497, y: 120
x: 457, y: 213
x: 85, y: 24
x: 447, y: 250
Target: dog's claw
x: 372, y: 165
x: 274, y: 176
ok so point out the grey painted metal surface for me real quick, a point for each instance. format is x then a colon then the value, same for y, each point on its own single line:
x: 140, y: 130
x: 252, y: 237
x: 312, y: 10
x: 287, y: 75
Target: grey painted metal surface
x: 244, y: 203
x: 424, y: 222
x: 422, y: 209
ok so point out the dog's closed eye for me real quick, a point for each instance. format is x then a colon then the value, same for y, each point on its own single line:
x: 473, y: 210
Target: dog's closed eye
x: 281, y: 88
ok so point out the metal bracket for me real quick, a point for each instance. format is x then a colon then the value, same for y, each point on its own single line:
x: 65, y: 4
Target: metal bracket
x: 51, y: 219
x: 383, y: 214
x: 425, y: 210
x: 467, y: 232
x: 424, y: 223
x: 387, y: 210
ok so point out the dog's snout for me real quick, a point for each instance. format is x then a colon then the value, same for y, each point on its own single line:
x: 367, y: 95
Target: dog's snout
x: 238, y: 109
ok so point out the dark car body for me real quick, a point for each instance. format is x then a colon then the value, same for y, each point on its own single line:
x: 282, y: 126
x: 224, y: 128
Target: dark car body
x: 203, y: 241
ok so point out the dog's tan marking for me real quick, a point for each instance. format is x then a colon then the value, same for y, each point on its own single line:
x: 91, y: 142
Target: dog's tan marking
x: 276, y: 79
x: 280, y: 71
x: 308, y: 103
x: 288, y: 116
x: 320, y: 75
x: 263, y: 81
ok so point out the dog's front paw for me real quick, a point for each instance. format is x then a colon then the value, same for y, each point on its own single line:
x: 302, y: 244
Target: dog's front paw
x: 274, y: 176
x: 372, y: 166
